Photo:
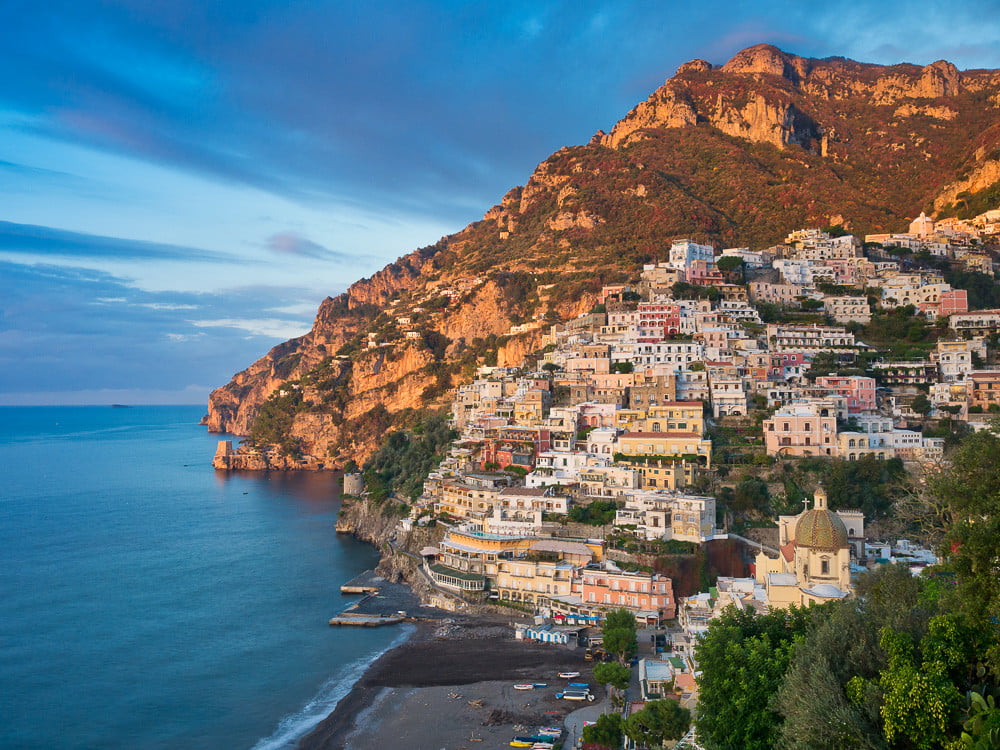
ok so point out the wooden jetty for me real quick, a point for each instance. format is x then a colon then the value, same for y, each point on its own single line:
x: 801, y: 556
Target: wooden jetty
x: 365, y: 621
x: 349, y: 589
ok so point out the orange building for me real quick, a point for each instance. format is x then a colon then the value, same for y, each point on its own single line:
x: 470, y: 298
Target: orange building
x: 649, y: 596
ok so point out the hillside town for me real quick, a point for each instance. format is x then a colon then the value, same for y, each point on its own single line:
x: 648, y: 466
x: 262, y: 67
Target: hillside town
x: 571, y: 473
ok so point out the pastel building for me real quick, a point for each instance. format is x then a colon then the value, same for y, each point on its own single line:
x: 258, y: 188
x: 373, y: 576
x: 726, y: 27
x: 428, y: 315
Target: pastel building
x: 859, y: 391
x: 678, y: 444
x: 649, y: 596
x: 802, y: 429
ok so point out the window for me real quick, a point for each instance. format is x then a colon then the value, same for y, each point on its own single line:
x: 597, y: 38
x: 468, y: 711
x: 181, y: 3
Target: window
x: 824, y: 567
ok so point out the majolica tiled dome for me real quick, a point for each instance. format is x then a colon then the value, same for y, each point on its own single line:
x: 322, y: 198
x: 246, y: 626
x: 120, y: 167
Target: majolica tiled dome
x: 820, y: 528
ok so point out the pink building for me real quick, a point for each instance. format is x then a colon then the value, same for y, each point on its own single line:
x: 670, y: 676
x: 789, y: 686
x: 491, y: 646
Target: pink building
x: 955, y: 301
x: 859, y: 391
x: 802, y: 429
x: 657, y: 316
x: 649, y: 595
x: 781, y: 361
x: 704, y: 273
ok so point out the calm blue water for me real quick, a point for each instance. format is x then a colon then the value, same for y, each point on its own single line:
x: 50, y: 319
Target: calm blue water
x: 148, y: 602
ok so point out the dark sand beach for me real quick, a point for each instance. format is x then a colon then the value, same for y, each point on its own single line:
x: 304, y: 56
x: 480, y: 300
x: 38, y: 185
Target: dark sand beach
x: 451, y: 686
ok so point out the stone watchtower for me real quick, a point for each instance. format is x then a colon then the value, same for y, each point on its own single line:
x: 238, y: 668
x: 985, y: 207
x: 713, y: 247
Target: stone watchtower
x: 223, y: 455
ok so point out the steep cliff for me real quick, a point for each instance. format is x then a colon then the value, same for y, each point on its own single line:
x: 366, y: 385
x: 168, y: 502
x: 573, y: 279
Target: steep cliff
x: 736, y: 155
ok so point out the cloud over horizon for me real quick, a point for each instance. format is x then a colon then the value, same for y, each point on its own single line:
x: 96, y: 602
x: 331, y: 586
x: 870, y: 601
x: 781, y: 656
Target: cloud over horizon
x: 62, y: 326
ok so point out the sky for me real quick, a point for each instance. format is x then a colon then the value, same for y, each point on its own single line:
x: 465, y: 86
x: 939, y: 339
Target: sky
x: 183, y: 182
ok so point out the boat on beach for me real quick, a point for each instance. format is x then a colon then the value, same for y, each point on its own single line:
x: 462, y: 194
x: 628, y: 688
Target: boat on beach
x: 524, y: 686
x: 576, y: 695
x: 569, y: 675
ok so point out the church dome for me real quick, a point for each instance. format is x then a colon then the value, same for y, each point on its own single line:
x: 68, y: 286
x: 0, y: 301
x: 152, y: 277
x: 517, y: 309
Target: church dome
x: 820, y: 527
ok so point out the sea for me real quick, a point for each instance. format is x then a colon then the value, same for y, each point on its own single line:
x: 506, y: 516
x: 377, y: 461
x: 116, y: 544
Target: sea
x: 148, y: 601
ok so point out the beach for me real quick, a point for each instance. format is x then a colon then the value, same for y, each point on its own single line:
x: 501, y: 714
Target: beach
x: 451, y: 686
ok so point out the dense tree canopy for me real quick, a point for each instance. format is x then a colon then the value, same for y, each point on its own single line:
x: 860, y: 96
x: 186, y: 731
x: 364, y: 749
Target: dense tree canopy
x: 743, y: 658
x: 657, y: 722
x: 620, y: 634
x: 909, y: 663
x: 606, y: 732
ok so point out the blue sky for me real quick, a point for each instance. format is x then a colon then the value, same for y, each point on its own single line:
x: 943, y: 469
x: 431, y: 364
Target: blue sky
x: 181, y: 183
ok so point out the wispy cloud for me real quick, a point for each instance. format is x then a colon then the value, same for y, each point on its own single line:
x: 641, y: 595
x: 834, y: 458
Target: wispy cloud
x: 270, y: 327
x: 49, y: 241
x: 291, y: 243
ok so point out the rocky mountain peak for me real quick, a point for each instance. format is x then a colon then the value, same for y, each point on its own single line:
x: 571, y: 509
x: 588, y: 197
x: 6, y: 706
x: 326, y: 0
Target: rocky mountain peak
x: 737, y: 155
x: 769, y: 60
x: 694, y: 66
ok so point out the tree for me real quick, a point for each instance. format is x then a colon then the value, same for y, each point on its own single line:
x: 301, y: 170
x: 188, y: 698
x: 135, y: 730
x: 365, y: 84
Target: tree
x: 920, y: 700
x: 621, y: 642
x: 619, y: 634
x: 743, y: 657
x: 606, y: 732
x: 729, y: 263
x: 751, y: 494
x: 612, y: 673
x: 971, y: 489
x: 619, y: 618
x: 658, y: 722
x: 921, y: 404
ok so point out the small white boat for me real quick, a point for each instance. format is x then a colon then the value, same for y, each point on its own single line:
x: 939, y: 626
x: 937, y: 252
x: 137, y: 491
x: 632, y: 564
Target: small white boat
x: 569, y: 675
x: 524, y: 686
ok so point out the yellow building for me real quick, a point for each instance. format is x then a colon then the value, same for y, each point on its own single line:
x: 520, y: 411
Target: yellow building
x: 687, y: 445
x: 663, y: 474
x: 544, y: 572
x: 676, y: 416
x: 814, y: 565
x: 462, y: 500
x: 467, y: 560
x: 630, y: 419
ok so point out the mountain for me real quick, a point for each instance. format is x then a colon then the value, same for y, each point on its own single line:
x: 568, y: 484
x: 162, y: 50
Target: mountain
x: 737, y: 155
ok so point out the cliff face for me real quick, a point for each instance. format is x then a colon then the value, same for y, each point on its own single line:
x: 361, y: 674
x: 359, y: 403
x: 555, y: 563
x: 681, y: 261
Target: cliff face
x: 736, y: 155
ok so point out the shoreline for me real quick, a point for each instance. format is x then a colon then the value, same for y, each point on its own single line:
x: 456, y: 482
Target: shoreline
x: 451, y: 684
x: 333, y: 730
